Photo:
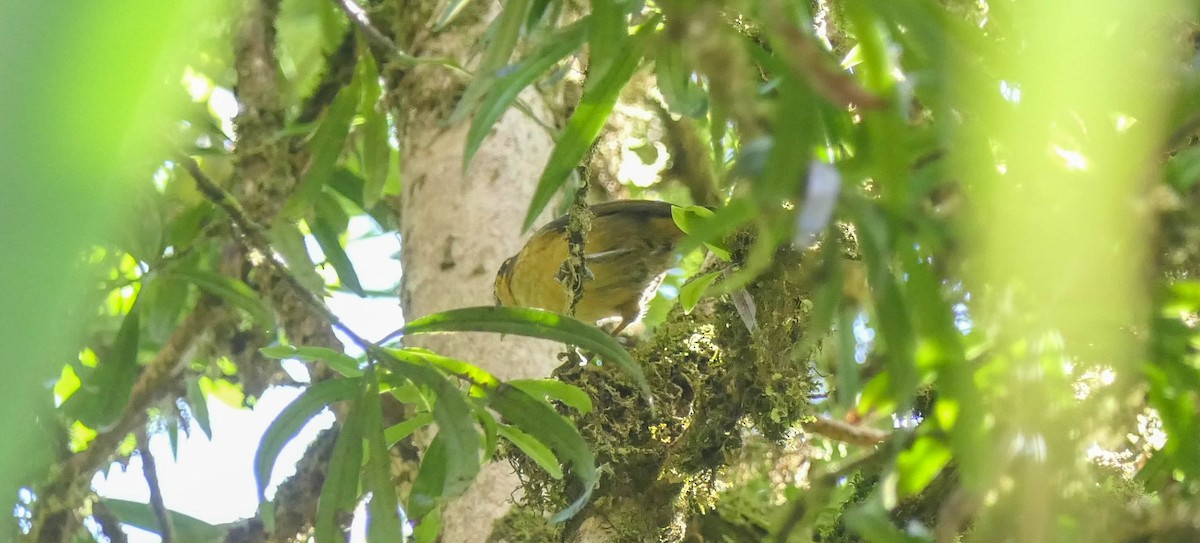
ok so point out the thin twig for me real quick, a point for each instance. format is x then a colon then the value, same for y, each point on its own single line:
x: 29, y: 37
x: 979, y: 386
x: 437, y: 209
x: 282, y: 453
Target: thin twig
x: 254, y: 238
x: 381, y: 41
x: 363, y: 22
x: 166, y: 530
x: 110, y: 525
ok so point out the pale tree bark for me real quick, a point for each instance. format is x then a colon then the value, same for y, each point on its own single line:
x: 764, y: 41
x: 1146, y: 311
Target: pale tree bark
x: 456, y: 227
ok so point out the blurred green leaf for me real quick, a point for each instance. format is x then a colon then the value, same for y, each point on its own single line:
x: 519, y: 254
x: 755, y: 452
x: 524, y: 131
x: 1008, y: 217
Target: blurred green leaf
x: 692, y: 220
x: 1183, y: 169
x: 683, y: 95
x: 101, y: 400
x: 232, y: 291
x: 340, y: 362
x: 920, y: 464
x: 198, y: 406
x: 491, y: 433
x: 452, y: 10
x: 608, y: 31
x: 287, y: 240
x: 872, y: 522
x: 456, y: 427
x: 847, y: 368
x: 163, y: 298
x: 429, y: 488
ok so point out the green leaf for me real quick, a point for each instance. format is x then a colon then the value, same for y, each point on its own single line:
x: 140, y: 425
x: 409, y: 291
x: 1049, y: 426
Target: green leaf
x: 292, y: 419
x: 534, y: 449
x: 478, y: 377
x: 198, y: 405
x: 545, y: 425
x: 232, y: 291
x: 691, y: 292
x: 682, y: 95
x: 891, y: 307
x: 875, y: 396
x: 397, y: 432
x: 491, y: 433
x: 340, y: 362
x: 711, y: 230
x: 608, y: 31
x: 102, y: 397
x: 429, y: 487
x: 376, y: 151
x: 570, y: 395
x: 383, y: 522
x: 920, y: 464
x: 427, y: 530
x: 1183, y: 169
x: 187, y: 528
x: 327, y: 238
x: 847, y: 366
x: 510, y: 84
x: 288, y: 241
x: 528, y: 322
x: 339, y: 492
x: 326, y: 146
x: 599, y: 97
x: 873, y: 523
x: 504, y: 34
x: 164, y: 298
x: 452, y: 412
x: 693, y: 220
x: 449, y: 14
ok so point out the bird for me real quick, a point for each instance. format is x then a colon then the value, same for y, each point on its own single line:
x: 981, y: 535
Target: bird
x: 629, y: 249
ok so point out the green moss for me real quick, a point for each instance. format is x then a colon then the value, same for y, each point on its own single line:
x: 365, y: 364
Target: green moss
x: 714, y: 382
x: 521, y: 525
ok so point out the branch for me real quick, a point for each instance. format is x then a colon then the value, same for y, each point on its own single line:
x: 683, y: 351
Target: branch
x: 150, y: 471
x: 374, y: 35
x: 837, y: 430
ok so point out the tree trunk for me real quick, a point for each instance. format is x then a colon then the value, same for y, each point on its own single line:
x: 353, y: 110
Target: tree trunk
x: 456, y: 228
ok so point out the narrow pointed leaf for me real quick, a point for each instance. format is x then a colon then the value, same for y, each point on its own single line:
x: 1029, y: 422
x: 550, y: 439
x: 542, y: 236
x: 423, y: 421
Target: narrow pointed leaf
x: 570, y: 395
x: 508, y: 86
x: 534, y: 449
x: 587, y: 121
x: 528, y: 322
x: 335, y: 254
x: 384, y: 510
x: 339, y: 492
x: 544, y: 424
x: 292, y: 419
